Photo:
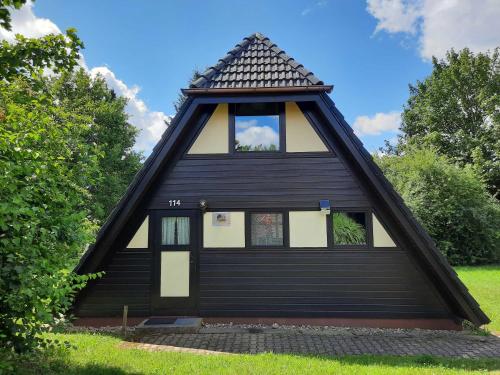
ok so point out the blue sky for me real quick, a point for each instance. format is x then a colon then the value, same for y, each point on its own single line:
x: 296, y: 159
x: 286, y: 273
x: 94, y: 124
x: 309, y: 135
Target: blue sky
x: 370, y: 51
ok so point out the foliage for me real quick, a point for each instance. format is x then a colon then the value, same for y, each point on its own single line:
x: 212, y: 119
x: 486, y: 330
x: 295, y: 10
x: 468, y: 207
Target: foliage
x: 31, y: 56
x: 103, y: 354
x: 5, y: 19
x: 456, y: 110
x: 181, y: 98
x: 346, y: 231
x: 46, y: 168
x: 111, y: 133
x: 259, y: 147
x: 450, y: 201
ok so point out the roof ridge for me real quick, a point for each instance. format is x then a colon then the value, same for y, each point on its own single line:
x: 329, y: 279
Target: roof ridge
x: 208, y: 77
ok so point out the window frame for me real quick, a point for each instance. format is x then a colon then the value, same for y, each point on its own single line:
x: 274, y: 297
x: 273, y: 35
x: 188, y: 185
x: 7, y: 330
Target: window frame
x: 369, y: 229
x: 232, y: 132
x: 248, y: 229
x: 157, y: 228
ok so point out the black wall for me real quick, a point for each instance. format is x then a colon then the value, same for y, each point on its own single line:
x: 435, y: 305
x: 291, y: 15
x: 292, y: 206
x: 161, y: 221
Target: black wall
x: 287, y: 181
x: 336, y: 283
x: 371, y: 282
x: 127, y: 281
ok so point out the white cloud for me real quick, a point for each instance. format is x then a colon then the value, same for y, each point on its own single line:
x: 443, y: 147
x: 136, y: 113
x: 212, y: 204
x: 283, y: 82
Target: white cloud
x: 394, y: 15
x: 26, y: 23
x: 441, y: 24
x: 258, y: 135
x: 242, y: 124
x: 150, y: 123
x: 377, y: 124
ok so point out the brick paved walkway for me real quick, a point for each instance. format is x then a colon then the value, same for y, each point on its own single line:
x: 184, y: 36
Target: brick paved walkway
x: 328, y: 342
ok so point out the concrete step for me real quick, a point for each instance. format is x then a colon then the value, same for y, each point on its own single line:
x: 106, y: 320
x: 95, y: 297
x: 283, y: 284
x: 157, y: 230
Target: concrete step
x: 169, y: 324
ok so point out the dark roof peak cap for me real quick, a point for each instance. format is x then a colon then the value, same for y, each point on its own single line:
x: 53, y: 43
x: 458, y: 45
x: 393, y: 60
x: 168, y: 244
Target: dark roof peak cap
x: 256, y: 63
x: 259, y: 36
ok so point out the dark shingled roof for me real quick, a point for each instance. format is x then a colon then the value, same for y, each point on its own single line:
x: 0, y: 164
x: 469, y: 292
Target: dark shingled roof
x: 257, y: 63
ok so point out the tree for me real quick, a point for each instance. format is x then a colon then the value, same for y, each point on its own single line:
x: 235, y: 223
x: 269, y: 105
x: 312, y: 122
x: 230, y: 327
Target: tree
x: 5, y: 19
x: 31, y: 56
x: 181, y: 98
x: 456, y: 110
x: 45, y: 172
x: 450, y: 201
x: 111, y: 133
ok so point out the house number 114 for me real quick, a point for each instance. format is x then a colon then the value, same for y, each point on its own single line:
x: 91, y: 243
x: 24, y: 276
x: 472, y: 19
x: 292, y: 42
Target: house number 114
x: 174, y: 202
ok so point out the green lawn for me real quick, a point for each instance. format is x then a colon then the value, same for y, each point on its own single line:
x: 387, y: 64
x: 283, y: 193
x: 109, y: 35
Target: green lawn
x: 101, y: 354
x: 484, y: 285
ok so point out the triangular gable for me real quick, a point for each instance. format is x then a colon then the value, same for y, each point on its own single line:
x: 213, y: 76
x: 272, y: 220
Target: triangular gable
x: 448, y: 282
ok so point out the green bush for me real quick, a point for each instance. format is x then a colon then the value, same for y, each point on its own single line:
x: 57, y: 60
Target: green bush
x: 451, y: 202
x: 46, y: 167
x: 44, y: 171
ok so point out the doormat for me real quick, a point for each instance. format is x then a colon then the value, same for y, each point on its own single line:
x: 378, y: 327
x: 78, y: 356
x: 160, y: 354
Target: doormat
x: 157, y: 321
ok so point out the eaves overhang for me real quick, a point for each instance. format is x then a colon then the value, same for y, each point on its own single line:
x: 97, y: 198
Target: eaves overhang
x: 257, y: 90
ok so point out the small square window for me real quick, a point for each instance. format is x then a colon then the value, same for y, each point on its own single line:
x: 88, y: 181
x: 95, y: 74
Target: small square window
x: 256, y: 127
x: 257, y: 133
x: 266, y: 229
x: 175, y: 230
x: 349, y: 228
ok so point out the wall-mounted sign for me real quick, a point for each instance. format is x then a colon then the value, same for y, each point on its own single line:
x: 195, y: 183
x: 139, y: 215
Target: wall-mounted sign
x: 221, y: 219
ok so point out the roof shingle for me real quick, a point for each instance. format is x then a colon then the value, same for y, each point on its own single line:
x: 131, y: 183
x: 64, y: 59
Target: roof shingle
x: 255, y: 63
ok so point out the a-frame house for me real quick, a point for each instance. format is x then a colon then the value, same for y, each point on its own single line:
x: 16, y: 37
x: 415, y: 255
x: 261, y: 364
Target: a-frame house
x: 259, y: 202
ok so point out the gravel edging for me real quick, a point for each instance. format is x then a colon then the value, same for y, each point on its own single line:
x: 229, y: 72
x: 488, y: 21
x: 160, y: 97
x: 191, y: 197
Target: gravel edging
x: 330, y: 330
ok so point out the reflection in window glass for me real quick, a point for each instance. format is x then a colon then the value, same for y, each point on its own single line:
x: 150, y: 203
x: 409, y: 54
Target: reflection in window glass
x: 266, y: 229
x: 175, y: 230
x: 349, y: 228
x: 257, y: 133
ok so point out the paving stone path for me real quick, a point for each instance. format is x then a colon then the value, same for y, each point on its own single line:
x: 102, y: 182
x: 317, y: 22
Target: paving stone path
x: 328, y: 342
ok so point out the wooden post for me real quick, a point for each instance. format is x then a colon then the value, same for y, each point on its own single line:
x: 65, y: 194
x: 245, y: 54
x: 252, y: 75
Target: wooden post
x: 124, y: 324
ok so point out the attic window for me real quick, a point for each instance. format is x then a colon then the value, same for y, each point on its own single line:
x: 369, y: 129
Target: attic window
x: 257, y: 127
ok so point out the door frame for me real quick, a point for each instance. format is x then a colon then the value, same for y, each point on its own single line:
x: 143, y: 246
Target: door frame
x: 159, y: 305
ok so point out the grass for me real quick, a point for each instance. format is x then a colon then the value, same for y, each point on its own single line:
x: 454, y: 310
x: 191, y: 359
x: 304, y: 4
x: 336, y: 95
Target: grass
x: 101, y: 354
x: 484, y: 284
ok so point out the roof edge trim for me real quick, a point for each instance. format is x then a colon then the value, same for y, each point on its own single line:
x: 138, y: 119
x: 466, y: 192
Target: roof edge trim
x: 246, y: 90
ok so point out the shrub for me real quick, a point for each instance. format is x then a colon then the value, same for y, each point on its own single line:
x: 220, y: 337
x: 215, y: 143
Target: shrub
x: 44, y: 171
x: 451, y: 202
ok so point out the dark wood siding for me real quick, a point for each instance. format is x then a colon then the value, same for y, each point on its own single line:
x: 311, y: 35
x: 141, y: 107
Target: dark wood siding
x: 355, y: 283
x: 127, y: 281
x: 348, y: 282
x: 293, y: 282
x: 286, y: 181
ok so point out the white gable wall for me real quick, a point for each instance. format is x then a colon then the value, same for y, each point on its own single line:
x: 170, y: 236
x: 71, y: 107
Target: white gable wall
x: 140, y: 239
x: 380, y: 236
x: 300, y: 135
x: 214, y: 137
